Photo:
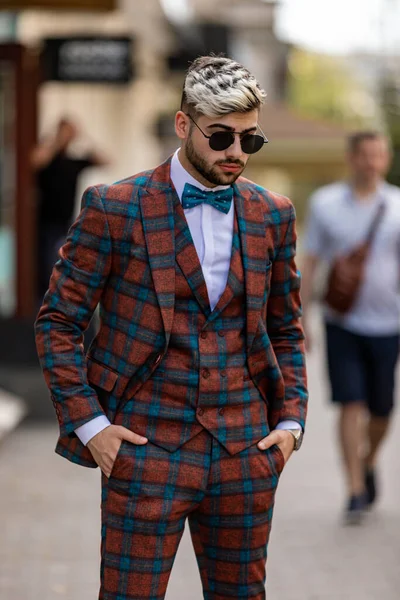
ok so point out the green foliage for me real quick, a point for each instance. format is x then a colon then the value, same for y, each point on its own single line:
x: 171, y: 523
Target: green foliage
x: 391, y: 108
x: 322, y: 86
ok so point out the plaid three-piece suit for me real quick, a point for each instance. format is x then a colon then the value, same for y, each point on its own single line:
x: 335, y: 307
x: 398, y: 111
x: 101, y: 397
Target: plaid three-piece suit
x: 203, y: 386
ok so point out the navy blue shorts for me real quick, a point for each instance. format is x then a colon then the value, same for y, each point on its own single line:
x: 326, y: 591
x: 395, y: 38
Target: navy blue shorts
x: 362, y: 368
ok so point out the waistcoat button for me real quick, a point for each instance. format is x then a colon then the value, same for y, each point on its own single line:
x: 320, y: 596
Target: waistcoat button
x: 159, y: 357
x: 206, y: 373
x: 221, y: 411
x: 203, y: 335
x: 223, y: 373
x: 221, y: 333
x: 200, y: 411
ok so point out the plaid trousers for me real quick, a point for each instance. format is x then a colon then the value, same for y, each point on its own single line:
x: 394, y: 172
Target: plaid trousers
x: 228, y: 501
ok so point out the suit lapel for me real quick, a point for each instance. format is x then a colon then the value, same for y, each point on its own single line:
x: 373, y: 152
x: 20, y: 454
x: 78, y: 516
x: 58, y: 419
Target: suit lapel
x: 253, y: 240
x: 157, y: 209
x: 188, y: 260
x: 168, y: 239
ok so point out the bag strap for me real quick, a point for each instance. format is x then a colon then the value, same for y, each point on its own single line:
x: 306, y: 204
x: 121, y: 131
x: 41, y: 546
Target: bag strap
x: 375, y: 223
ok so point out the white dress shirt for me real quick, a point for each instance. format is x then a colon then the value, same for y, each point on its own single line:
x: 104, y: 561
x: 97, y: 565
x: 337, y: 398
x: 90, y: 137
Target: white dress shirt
x: 212, y: 232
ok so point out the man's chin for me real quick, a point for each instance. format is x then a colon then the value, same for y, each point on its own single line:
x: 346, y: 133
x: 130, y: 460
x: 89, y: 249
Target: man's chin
x: 228, y: 178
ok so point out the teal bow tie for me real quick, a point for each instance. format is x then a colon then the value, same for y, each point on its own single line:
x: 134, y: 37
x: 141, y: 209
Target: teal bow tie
x: 193, y: 196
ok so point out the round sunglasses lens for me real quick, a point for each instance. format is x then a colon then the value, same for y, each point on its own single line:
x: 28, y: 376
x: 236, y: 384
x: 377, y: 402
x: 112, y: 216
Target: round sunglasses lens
x: 252, y: 143
x: 221, y: 140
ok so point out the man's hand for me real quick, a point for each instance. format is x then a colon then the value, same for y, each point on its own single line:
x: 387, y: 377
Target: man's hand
x: 283, y: 439
x: 105, y: 445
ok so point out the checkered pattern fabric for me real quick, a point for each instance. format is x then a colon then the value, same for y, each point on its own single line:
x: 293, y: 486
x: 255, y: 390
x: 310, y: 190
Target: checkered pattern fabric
x: 122, y: 253
x: 203, y: 379
x: 204, y: 386
x: 228, y: 501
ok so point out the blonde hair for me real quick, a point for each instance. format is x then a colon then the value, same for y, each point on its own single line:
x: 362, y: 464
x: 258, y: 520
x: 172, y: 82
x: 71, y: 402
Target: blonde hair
x: 216, y: 85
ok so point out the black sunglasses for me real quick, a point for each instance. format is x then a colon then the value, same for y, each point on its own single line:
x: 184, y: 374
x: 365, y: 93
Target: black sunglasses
x: 221, y: 140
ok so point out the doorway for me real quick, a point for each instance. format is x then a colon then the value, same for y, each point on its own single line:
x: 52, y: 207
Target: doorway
x: 18, y: 117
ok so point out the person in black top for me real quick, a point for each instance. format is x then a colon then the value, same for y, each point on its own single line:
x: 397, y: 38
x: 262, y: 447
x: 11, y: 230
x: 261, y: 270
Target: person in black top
x: 56, y: 180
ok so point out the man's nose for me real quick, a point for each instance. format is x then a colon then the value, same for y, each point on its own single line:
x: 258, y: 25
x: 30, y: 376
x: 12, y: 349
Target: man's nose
x: 235, y: 150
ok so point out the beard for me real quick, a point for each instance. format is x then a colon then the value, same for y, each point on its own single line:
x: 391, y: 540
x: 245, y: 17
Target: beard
x: 210, y: 172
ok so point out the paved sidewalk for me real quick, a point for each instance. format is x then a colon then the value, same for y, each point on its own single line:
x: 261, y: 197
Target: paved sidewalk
x: 49, y: 522
x: 12, y: 410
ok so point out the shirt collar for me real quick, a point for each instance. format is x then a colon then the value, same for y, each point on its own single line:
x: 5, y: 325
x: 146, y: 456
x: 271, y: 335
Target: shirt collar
x: 179, y: 177
x: 378, y: 195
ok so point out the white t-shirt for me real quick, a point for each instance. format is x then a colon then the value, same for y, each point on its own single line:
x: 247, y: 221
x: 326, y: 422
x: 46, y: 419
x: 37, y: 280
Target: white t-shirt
x: 337, y: 223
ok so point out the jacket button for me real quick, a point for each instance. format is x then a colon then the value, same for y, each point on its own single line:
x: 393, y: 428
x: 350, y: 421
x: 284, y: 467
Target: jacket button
x: 221, y: 333
x: 200, y: 411
x: 206, y: 373
x: 223, y: 373
x: 203, y: 335
x: 221, y: 411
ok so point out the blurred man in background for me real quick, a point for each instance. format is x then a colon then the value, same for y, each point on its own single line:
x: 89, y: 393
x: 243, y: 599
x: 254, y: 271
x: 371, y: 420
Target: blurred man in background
x: 57, y: 175
x: 363, y: 340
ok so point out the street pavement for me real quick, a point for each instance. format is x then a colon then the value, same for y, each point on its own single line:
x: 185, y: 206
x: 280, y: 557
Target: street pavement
x: 49, y: 520
x: 12, y: 411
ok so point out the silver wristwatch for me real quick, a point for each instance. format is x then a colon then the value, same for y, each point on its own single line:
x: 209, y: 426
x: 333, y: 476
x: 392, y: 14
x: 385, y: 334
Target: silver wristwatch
x: 298, y: 437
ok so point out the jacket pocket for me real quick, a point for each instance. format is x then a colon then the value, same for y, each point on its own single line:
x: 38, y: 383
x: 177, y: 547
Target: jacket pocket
x: 101, y: 376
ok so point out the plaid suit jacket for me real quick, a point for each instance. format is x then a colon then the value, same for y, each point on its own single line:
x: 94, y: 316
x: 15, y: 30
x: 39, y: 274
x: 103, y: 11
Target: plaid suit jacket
x: 122, y: 230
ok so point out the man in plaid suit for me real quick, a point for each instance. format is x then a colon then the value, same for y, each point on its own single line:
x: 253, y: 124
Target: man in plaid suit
x: 192, y: 396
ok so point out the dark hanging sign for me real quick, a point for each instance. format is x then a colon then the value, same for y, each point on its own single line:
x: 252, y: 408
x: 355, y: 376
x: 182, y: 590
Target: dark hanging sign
x: 88, y: 59
x: 58, y: 4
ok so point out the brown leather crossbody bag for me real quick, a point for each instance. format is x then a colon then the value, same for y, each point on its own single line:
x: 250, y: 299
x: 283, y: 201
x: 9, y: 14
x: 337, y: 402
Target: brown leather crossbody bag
x: 347, y: 271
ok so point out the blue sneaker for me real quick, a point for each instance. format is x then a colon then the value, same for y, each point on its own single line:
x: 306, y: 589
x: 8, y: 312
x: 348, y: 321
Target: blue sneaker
x: 356, y: 508
x: 370, y: 485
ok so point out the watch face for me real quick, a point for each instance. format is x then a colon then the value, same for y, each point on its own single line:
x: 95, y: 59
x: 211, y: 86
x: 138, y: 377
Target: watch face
x: 298, y: 435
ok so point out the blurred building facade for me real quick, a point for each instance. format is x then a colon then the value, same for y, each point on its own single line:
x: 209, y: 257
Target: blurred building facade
x: 303, y: 153
x: 118, y: 118
x: 132, y: 121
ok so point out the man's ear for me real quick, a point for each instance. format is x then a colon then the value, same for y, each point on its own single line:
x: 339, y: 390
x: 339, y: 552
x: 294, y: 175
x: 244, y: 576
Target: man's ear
x: 182, y: 125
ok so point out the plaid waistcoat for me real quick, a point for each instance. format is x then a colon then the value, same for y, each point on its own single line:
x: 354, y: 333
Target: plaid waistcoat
x: 203, y: 379
x: 159, y: 352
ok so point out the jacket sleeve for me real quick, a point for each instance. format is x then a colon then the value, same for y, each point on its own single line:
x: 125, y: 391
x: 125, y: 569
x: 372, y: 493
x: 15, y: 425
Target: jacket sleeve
x: 76, y: 285
x: 284, y: 327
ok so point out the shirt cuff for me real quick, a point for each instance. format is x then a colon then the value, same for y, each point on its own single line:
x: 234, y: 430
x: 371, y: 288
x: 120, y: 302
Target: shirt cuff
x: 287, y: 424
x: 87, y: 431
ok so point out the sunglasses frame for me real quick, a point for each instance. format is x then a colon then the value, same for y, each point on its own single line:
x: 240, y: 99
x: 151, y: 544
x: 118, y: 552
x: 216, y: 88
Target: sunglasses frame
x: 233, y: 133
